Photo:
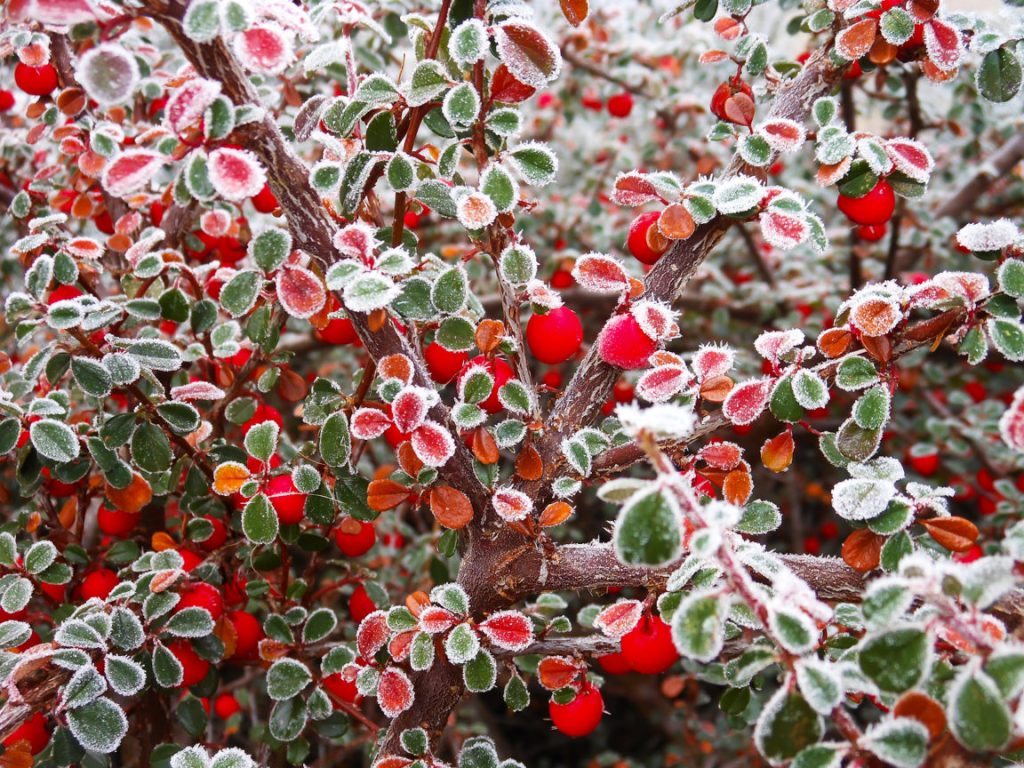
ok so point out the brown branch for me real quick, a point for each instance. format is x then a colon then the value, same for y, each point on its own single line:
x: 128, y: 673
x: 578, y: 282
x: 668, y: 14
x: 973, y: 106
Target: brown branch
x: 998, y: 165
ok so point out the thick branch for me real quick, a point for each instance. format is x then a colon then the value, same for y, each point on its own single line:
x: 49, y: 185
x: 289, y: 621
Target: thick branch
x: 1000, y: 164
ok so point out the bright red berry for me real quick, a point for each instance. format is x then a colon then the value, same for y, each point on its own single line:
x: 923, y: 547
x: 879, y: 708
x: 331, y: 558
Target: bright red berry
x: 287, y: 500
x: 733, y: 102
x: 443, y: 364
x: 248, y: 633
x: 501, y: 371
x: 63, y: 293
x: 872, y: 233
x: 554, y: 337
x: 624, y: 344
x: 194, y: 667
x: 341, y: 689
x: 339, y: 330
x: 201, y: 595
x: 562, y: 279
x: 116, y: 522
x: 264, y: 201
x: 621, y: 104
x: 874, y: 208
x: 218, y: 537
x: 924, y: 459
x: 6, y: 101
x: 581, y: 715
x: 226, y: 705
x: 615, y: 663
x: 645, y: 240
x: 360, y: 605
x: 648, y: 646
x: 33, y: 732
x: 358, y: 542
x: 98, y: 583
x: 263, y: 413
x: 36, y: 81
x: 191, y: 559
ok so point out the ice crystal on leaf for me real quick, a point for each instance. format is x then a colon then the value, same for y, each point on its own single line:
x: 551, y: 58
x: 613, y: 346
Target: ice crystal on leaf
x: 981, y: 237
x: 236, y: 173
x: 265, y: 49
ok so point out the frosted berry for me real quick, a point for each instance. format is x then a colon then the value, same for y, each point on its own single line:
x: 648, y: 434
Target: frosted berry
x: 98, y: 583
x: 621, y: 104
x: 648, y: 646
x: 580, y: 716
x: 554, y: 337
x: 194, y: 667
x: 501, y: 371
x: 202, y: 595
x: 357, y: 543
x: 872, y: 233
x: 248, y: 633
x: 624, y: 344
x: 443, y: 364
x: 360, y: 605
x: 645, y: 241
x: 288, y: 502
x: 116, y: 522
x: 36, y: 81
x: 874, y: 208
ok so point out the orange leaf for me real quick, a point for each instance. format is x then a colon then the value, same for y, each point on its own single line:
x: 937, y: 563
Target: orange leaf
x: 225, y: 631
x: 529, y: 464
x: 728, y: 28
x: 676, y: 223
x: 777, y: 452
x: 556, y: 672
x: 924, y: 709
x: 737, y: 486
x: 484, y: 447
x: 416, y: 602
x: 713, y: 57
x: 555, y: 513
x: 395, y: 367
x: 229, y: 477
x: 451, y: 507
x: 376, y: 319
x: 489, y: 335
x: 834, y: 342
x: 408, y: 459
x: 383, y: 495
x: 716, y: 389
x: 575, y: 11
x: 956, y: 534
x: 862, y: 550
x: 68, y: 512
x: 161, y: 541
x: 879, y: 347
x: 857, y: 39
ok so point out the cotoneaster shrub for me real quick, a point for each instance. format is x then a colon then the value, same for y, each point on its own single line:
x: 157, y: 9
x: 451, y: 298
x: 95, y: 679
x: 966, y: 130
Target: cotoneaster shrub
x: 374, y: 368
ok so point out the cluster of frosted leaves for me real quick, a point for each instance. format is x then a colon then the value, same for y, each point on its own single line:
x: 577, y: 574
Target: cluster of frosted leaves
x: 430, y: 440
x: 412, y: 634
x: 476, y: 752
x: 199, y: 757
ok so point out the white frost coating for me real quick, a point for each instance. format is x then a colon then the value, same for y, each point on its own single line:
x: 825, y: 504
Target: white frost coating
x: 130, y: 171
x: 266, y: 49
x: 475, y: 210
x: 525, y: 68
x: 862, y: 499
x: 468, y: 42
x: 662, y: 420
x: 512, y: 505
x: 108, y: 73
x: 656, y: 319
x: 738, y: 194
x: 991, y: 236
x: 772, y: 345
x: 236, y: 173
x: 783, y: 230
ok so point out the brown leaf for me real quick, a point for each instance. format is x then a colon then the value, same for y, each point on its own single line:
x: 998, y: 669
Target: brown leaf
x: 676, y: 223
x: 529, y: 464
x: 383, y: 495
x: 272, y: 650
x: 716, y: 389
x: 291, y: 386
x: 932, y: 328
x: 376, y: 320
x: 451, y: 507
x: 834, y: 342
x: 862, y: 550
x: 408, y: 459
x: 163, y: 581
x: 17, y: 754
x: 737, y: 486
x: 857, y: 39
x: 489, y: 335
x: 879, y: 347
x: 71, y: 101
x: 740, y: 108
x: 575, y: 11
x: 924, y: 709
x: 556, y: 672
x: 777, y: 452
x: 68, y: 512
x: 957, y: 534
x: 555, y: 513
x: 395, y: 367
x: 225, y: 631
x: 484, y: 448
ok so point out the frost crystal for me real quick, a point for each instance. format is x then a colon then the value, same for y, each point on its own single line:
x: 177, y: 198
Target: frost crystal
x: 772, y: 345
x: 108, y: 73
x: 783, y: 230
x: 712, y: 360
x: 862, y: 499
x: 236, y: 173
x: 266, y: 49
x: 188, y: 103
x: 475, y: 210
x: 657, y: 320
x: 992, y: 236
x: 512, y: 505
x: 662, y: 420
x: 130, y: 171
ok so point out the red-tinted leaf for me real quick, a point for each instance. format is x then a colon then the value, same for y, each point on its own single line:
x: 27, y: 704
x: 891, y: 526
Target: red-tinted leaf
x: 746, y: 401
x: 394, y: 692
x: 300, y: 292
x: 434, y: 620
x: 618, y: 619
x: 633, y: 189
x: 857, y: 39
x: 372, y: 634
x: 721, y: 455
x: 556, y: 672
x: 368, y: 423
x: 510, y: 630
x: 433, y: 444
x: 506, y: 89
x: 600, y: 274
x: 944, y: 45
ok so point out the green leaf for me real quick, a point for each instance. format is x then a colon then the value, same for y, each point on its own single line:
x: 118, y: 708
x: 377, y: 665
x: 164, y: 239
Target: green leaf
x: 450, y: 291
x: 54, y: 440
x: 39, y: 557
x: 151, y: 450
x: 978, y: 716
x: 456, y: 334
x: 126, y: 677
x: 287, y: 719
x: 400, y: 173
x: 786, y: 725
x: 437, y: 196
x: 428, y: 81
x: 261, y: 440
x: 190, y: 622
x: 516, y: 694
x: 259, y: 521
x: 99, y: 726
x: 871, y: 411
x: 895, y: 659
x: 498, y: 184
x: 239, y: 294
x: 319, y: 625
x: 759, y: 517
x: 855, y: 373
x: 84, y: 686
x: 10, y: 430
x: 999, y: 75
x: 783, y: 402
x: 182, y: 417
x: 481, y: 672
x: 92, y: 376
x: 647, y: 531
x: 1008, y: 337
x: 901, y: 742
x: 166, y: 668
x: 857, y: 443
x: 269, y: 249
x: 698, y: 625
x: 287, y: 678
x: 461, y: 105
x: 335, y: 440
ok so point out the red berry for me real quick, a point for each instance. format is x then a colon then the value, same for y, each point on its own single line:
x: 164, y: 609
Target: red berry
x: 985, y: 480
x: 853, y: 72
x: 202, y: 595
x: 581, y: 715
x: 552, y: 379
x: 288, y: 502
x: 442, y: 364
x: 924, y: 459
x: 264, y: 201
x: 116, y: 522
x: 339, y: 330
x: 623, y: 392
x: 554, y: 337
x: 226, y: 705
x: 248, y: 633
x: 218, y: 537
x: 341, y: 689
x: 976, y: 390
x: 6, y: 101
x: 646, y: 245
x: 36, y: 81
x: 970, y: 555
x: 621, y: 104
x: 53, y: 591
x: 98, y: 583
x: 33, y: 731
x: 592, y: 101
x: 63, y: 293
x: 360, y: 605
x: 615, y: 663
x: 192, y: 559
x: 562, y: 279
x: 501, y: 371
x: 623, y: 343
x: 648, y: 646
x: 194, y: 667
x: 812, y: 546
x: 355, y: 544
x: 872, y: 233
x: 263, y: 413
x: 874, y: 208
x: 829, y: 530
